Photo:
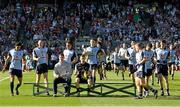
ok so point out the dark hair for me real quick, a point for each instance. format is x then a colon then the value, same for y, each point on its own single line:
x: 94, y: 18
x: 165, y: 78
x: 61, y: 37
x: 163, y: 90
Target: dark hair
x: 140, y: 45
x: 18, y: 44
x: 149, y: 45
x: 61, y: 54
x: 163, y: 41
x: 70, y: 42
x: 94, y: 39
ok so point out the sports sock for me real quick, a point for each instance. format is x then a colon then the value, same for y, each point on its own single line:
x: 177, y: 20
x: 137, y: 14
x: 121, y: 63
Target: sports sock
x: 12, y: 87
x: 18, y: 85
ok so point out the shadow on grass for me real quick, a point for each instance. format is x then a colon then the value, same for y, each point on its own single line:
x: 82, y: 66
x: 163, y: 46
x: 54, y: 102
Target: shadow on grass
x: 172, y: 97
x: 83, y: 96
x: 107, y: 96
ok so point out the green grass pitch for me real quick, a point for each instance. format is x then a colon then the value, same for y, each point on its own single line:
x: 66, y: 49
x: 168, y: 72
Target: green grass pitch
x: 116, y: 99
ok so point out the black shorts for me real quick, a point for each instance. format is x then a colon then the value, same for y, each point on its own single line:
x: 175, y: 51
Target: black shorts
x: 100, y: 64
x: 82, y: 80
x: 108, y: 66
x: 171, y: 63
x: 62, y: 80
x: 124, y: 63
x: 42, y: 68
x: 16, y: 72
x: 149, y: 72
x: 93, y: 66
x: 132, y: 69
x: 117, y: 64
x: 162, y: 69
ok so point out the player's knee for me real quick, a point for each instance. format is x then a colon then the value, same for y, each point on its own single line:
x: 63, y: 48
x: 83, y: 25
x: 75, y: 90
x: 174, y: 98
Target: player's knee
x: 77, y: 80
x: 89, y: 81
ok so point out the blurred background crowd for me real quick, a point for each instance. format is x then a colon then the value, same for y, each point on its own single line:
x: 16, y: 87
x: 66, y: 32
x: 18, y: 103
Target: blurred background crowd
x: 113, y: 22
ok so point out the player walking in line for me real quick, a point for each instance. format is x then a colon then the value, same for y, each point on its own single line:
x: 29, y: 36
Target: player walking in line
x: 162, y: 67
x: 92, y: 53
x: 131, y: 56
x: 16, y: 56
x: 40, y: 55
x: 69, y: 53
x: 139, y: 74
x: 172, y: 59
x: 123, y: 59
x: 149, y: 65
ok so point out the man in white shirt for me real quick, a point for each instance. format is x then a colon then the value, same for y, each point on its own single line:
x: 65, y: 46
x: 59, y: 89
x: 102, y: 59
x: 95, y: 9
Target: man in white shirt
x: 62, y: 74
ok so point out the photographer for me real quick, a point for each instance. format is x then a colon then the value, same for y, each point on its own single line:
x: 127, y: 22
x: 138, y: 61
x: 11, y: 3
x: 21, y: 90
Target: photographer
x: 62, y: 74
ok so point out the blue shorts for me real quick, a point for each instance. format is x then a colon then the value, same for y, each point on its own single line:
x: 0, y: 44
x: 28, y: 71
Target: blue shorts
x: 139, y: 74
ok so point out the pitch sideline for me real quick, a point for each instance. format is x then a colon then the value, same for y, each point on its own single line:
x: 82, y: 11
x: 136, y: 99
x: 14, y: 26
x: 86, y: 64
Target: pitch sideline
x: 4, y: 79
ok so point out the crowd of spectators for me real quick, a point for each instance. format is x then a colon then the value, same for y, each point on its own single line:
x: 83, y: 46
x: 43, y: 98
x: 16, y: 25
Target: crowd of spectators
x: 115, y: 22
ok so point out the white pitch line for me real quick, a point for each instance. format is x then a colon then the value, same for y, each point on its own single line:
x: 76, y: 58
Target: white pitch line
x: 4, y: 79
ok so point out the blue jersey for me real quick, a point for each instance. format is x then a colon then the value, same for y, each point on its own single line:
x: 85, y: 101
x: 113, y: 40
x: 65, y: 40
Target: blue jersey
x: 116, y: 58
x: 178, y: 61
x: 69, y: 55
x: 132, y: 54
x: 92, y: 54
x: 172, y: 56
x: 162, y: 56
x: 149, y: 56
x: 16, y: 60
x: 41, y: 53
